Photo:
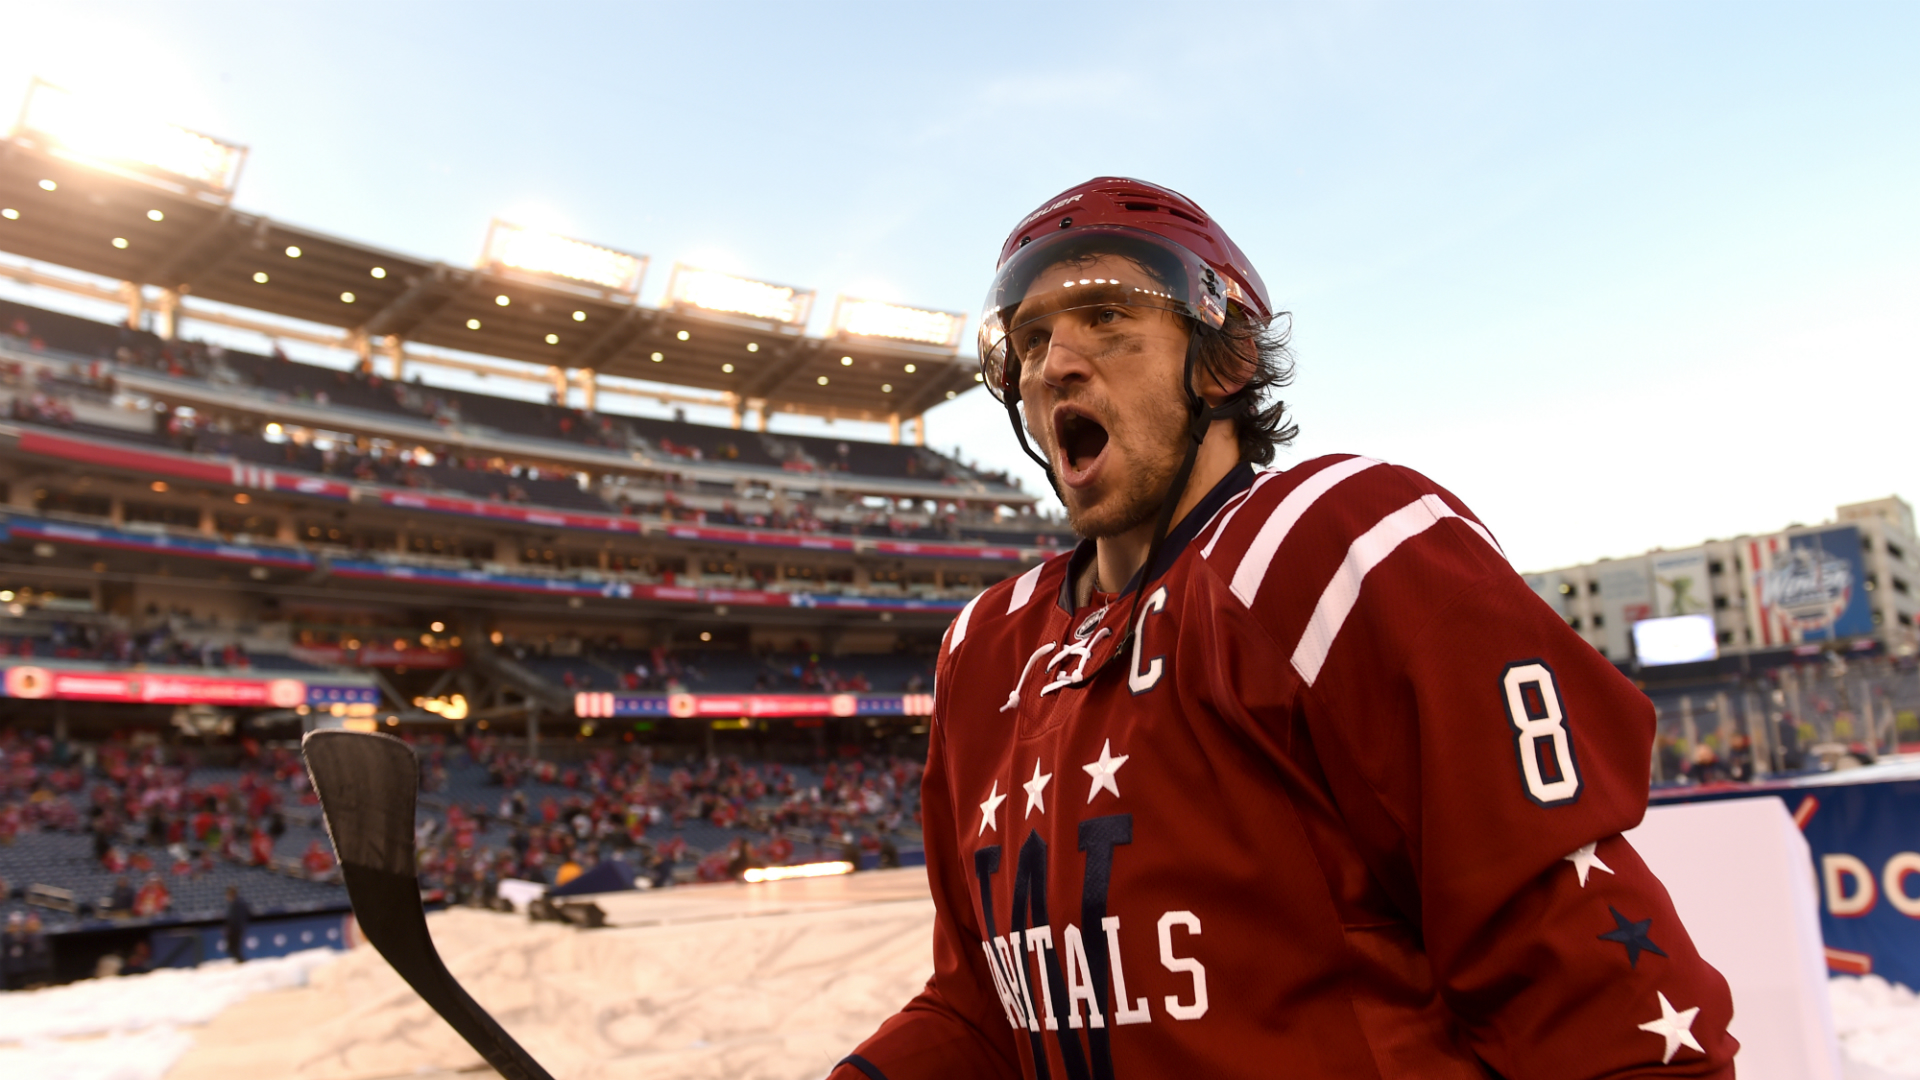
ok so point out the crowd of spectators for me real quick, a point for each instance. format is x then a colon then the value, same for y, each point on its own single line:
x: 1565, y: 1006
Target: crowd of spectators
x: 489, y: 814
x: 149, y: 821
x: 703, y: 821
x: 25, y: 959
x: 157, y: 645
x: 40, y: 408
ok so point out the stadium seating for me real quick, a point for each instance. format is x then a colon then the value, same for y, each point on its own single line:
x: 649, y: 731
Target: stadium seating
x: 65, y: 860
x: 68, y: 333
x: 371, y: 397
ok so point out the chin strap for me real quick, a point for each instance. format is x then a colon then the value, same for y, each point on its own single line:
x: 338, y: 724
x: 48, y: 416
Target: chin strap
x: 1020, y: 431
x: 1200, y: 419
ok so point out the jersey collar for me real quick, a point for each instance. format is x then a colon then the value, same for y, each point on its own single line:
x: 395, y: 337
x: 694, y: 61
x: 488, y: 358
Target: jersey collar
x: 1238, y: 479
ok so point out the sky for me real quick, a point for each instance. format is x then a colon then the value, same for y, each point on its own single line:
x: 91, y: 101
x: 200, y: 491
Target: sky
x: 1620, y: 276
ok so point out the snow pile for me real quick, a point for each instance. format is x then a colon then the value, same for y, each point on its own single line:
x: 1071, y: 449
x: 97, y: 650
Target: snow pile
x: 146, y: 1055
x: 134, y: 1002
x: 53, y: 1032
x: 1878, y: 1023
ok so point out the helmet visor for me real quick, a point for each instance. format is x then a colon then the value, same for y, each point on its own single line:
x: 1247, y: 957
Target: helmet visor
x: 1091, y: 267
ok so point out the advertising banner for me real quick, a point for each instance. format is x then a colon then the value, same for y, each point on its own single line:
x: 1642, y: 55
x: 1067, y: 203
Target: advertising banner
x: 161, y: 687
x: 609, y: 704
x: 30, y: 681
x: 1680, y: 583
x: 1808, y: 587
x: 1865, y: 841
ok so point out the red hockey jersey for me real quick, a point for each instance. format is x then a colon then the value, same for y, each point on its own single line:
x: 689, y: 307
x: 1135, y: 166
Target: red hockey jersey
x: 1350, y: 807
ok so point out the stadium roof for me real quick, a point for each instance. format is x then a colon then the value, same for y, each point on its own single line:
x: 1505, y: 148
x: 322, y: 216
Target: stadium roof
x: 150, y: 229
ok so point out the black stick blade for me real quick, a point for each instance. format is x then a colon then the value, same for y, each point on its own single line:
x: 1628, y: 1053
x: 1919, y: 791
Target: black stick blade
x: 367, y: 785
x: 368, y: 782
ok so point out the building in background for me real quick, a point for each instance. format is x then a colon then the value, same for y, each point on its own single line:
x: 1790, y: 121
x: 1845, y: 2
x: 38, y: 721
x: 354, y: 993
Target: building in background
x: 1849, y: 582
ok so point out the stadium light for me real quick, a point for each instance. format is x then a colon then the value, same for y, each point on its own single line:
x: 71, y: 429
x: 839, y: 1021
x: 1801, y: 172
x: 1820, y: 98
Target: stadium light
x: 453, y: 707
x: 875, y: 318
x: 804, y: 870
x: 516, y: 247
x: 711, y: 290
x: 113, y: 135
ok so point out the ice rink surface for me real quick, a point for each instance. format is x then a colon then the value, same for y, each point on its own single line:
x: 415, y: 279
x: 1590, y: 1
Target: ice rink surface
x: 743, y: 982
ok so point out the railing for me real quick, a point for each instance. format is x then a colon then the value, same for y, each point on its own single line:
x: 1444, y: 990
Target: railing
x: 1789, y: 719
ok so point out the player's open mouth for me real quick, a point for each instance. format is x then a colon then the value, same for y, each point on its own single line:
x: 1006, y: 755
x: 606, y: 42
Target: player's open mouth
x: 1082, y: 445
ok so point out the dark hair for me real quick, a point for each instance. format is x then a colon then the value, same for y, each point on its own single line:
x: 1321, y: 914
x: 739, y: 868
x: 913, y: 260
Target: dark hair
x: 1260, y: 425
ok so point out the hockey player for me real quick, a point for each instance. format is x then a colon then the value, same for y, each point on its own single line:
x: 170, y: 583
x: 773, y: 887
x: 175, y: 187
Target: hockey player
x: 1280, y: 772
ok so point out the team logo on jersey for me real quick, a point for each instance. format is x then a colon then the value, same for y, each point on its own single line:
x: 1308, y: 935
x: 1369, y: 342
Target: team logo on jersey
x: 1089, y: 624
x: 1067, y: 984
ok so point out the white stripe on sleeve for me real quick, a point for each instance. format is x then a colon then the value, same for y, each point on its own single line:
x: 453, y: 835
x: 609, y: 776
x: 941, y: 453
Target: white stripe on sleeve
x: 1484, y: 534
x: 1233, y: 507
x: 1253, y: 565
x: 1023, y: 588
x: 959, y: 632
x: 1337, y: 601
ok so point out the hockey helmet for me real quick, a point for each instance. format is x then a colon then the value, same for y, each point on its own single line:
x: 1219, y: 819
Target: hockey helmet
x: 1112, y: 241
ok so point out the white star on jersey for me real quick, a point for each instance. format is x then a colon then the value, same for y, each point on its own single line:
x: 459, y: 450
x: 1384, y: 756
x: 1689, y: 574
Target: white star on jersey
x: 1102, y: 771
x: 1584, y: 860
x: 990, y: 808
x: 1675, y: 1027
x: 1035, y: 789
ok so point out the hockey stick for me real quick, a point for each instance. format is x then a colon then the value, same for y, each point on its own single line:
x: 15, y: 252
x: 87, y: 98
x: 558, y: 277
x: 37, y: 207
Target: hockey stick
x: 367, y: 785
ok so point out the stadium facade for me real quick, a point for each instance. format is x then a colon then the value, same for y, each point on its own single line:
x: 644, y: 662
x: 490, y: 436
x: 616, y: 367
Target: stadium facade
x: 1849, y: 583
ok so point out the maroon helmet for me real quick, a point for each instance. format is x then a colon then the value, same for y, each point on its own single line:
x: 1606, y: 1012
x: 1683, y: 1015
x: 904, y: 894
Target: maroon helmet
x: 1112, y: 240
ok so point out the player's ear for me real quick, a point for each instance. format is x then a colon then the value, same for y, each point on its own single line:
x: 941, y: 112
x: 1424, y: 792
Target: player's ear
x: 1227, y: 361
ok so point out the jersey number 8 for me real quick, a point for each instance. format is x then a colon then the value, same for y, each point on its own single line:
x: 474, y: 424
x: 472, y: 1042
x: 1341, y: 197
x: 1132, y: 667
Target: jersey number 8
x: 1544, y: 747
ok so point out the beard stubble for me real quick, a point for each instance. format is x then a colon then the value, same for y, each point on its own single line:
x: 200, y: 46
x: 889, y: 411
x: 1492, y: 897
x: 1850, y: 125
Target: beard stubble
x: 1137, y: 491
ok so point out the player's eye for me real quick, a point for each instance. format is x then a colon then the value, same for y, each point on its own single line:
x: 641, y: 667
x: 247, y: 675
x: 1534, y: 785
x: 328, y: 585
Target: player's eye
x: 1031, y: 341
x: 1108, y: 316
